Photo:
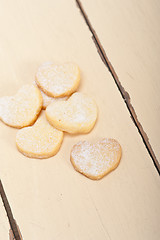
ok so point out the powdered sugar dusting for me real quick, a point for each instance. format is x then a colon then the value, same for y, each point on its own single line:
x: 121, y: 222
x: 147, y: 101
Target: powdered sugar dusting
x: 57, y: 79
x: 21, y: 109
x: 39, y: 140
x: 96, y: 159
x: 84, y: 108
x: 47, y: 99
x: 77, y: 114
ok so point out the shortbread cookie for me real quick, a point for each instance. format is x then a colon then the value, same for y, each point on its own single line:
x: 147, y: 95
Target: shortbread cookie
x: 21, y: 109
x: 96, y: 160
x: 40, y: 140
x: 58, y: 80
x: 47, y: 99
x: 76, y: 115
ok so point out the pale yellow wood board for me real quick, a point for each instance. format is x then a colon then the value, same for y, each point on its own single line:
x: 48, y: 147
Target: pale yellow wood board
x: 130, y: 34
x: 49, y: 199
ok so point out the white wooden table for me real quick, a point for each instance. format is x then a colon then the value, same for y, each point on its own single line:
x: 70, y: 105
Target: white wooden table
x: 48, y: 198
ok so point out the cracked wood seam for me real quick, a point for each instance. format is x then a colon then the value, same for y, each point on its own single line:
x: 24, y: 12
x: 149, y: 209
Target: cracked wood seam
x: 9, y: 213
x: 125, y: 95
x: 128, y: 33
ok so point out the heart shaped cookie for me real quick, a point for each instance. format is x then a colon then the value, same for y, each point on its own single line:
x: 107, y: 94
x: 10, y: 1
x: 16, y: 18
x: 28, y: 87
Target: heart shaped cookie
x: 47, y: 99
x: 76, y: 115
x: 21, y: 109
x: 96, y: 160
x: 58, y: 80
x: 40, y: 140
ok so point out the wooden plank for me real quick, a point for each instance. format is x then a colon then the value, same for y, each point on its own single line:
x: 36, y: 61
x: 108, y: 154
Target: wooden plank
x: 129, y: 33
x: 49, y: 199
x: 14, y: 232
x: 4, y: 225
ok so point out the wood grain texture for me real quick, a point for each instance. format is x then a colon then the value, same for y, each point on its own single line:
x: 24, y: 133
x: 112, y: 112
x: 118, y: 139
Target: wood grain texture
x: 129, y: 33
x: 49, y: 199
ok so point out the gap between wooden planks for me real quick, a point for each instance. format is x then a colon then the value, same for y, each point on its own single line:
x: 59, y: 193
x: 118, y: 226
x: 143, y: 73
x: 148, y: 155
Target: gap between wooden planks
x: 123, y: 92
x: 4, y: 224
x: 14, y: 231
x: 105, y: 16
